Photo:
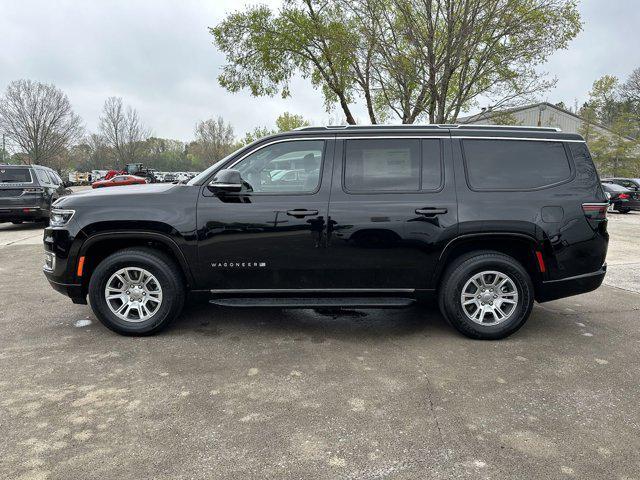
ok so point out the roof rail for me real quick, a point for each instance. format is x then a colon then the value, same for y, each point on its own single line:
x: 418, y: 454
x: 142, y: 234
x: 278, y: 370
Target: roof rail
x: 470, y: 126
x: 429, y: 126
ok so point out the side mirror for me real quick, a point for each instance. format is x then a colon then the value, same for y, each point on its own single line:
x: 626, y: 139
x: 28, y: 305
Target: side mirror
x: 226, y: 181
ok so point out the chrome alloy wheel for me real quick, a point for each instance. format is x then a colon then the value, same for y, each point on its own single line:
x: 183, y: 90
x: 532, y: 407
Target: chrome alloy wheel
x: 133, y: 294
x: 489, y: 298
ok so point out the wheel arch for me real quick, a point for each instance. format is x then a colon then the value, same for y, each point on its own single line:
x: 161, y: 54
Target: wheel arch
x: 100, y: 245
x: 520, y: 246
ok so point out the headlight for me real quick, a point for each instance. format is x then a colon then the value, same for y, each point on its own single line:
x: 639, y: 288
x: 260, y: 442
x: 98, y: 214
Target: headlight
x: 59, y: 218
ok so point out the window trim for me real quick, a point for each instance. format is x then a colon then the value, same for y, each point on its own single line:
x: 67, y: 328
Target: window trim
x: 420, y: 190
x: 279, y: 194
x: 567, y: 153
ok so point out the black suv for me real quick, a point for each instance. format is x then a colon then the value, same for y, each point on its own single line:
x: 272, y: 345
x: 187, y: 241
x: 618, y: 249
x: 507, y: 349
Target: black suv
x: 486, y: 218
x: 27, y: 192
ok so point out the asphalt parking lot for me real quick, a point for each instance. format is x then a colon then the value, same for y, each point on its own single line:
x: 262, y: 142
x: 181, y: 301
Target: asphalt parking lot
x: 298, y: 394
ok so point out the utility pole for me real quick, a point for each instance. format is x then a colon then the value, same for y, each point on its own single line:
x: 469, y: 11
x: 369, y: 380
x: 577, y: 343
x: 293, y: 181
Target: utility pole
x: 3, y: 146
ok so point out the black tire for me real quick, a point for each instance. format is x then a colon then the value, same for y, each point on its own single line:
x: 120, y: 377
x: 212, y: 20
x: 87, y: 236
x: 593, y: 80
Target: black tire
x: 462, y: 270
x: 158, y: 264
x: 623, y: 210
x: 17, y: 222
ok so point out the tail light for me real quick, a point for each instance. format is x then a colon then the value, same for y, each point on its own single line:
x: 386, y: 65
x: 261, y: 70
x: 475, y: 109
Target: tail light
x: 623, y: 196
x: 595, y: 212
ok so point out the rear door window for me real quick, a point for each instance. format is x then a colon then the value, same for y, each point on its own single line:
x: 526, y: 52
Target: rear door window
x: 514, y: 164
x: 378, y: 165
x: 392, y: 165
x: 15, y: 175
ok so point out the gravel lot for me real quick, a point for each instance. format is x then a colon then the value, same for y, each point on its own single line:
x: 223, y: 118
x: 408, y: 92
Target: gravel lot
x: 296, y: 394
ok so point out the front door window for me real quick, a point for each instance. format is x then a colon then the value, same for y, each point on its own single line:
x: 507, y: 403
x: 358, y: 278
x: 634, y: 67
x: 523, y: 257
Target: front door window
x: 285, y: 167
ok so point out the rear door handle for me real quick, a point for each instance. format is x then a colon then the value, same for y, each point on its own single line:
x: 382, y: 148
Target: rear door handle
x: 431, y: 212
x: 301, y: 212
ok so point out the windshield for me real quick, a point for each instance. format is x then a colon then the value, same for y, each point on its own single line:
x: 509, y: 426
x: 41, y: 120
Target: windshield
x: 15, y: 175
x: 198, y: 179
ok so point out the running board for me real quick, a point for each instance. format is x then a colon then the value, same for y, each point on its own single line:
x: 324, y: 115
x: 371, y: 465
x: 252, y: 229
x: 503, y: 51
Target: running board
x: 325, y: 302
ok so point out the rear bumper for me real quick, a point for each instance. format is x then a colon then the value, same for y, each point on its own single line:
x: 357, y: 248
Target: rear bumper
x: 566, y: 287
x: 632, y: 204
x: 11, y: 214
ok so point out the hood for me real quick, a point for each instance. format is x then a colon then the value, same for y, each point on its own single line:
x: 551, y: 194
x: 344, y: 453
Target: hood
x: 126, y: 193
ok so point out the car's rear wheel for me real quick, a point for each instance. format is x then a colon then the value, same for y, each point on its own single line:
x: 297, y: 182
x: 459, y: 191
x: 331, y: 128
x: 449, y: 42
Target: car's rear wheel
x: 486, y: 295
x: 136, y: 291
x: 623, y: 210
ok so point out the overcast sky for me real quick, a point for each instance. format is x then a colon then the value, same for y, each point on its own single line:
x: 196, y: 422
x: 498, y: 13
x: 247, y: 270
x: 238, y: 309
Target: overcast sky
x: 158, y: 56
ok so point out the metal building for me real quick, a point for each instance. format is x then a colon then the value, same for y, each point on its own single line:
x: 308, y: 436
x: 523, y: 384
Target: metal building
x: 542, y: 114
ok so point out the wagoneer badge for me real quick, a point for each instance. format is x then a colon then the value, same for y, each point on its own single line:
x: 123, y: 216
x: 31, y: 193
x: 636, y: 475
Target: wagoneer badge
x: 238, y: 264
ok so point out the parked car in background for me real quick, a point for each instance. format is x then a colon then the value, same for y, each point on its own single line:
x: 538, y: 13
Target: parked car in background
x: 289, y: 177
x: 119, y: 180
x: 380, y: 221
x: 27, y: 192
x: 622, y: 199
x: 170, y: 177
x: 182, y: 176
x: 629, y: 183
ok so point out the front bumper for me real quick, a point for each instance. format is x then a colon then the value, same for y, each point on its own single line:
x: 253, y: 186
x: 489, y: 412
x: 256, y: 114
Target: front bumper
x: 566, y: 287
x: 59, y: 267
x: 74, y: 291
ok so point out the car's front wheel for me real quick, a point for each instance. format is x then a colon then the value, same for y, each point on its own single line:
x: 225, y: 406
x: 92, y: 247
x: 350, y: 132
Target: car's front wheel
x: 136, y: 291
x: 486, y: 295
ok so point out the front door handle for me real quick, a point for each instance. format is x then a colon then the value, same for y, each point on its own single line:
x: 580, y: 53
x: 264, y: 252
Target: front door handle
x: 431, y: 212
x: 302, y: 212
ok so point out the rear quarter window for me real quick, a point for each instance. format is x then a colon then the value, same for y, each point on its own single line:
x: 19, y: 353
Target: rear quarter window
x: 514, y: 164
x: 43, y: 176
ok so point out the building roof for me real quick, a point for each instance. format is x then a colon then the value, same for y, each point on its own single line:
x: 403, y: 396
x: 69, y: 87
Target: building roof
x: 489, y: 113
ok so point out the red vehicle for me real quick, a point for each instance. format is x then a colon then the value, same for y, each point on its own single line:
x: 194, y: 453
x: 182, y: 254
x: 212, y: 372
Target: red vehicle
x: 119, y: 180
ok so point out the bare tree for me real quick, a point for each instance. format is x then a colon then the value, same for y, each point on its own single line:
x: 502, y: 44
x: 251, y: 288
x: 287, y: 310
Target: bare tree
x: 631, y: 88
x: 215, y: 139
x: 123, y: 130
x: 38, y: 118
